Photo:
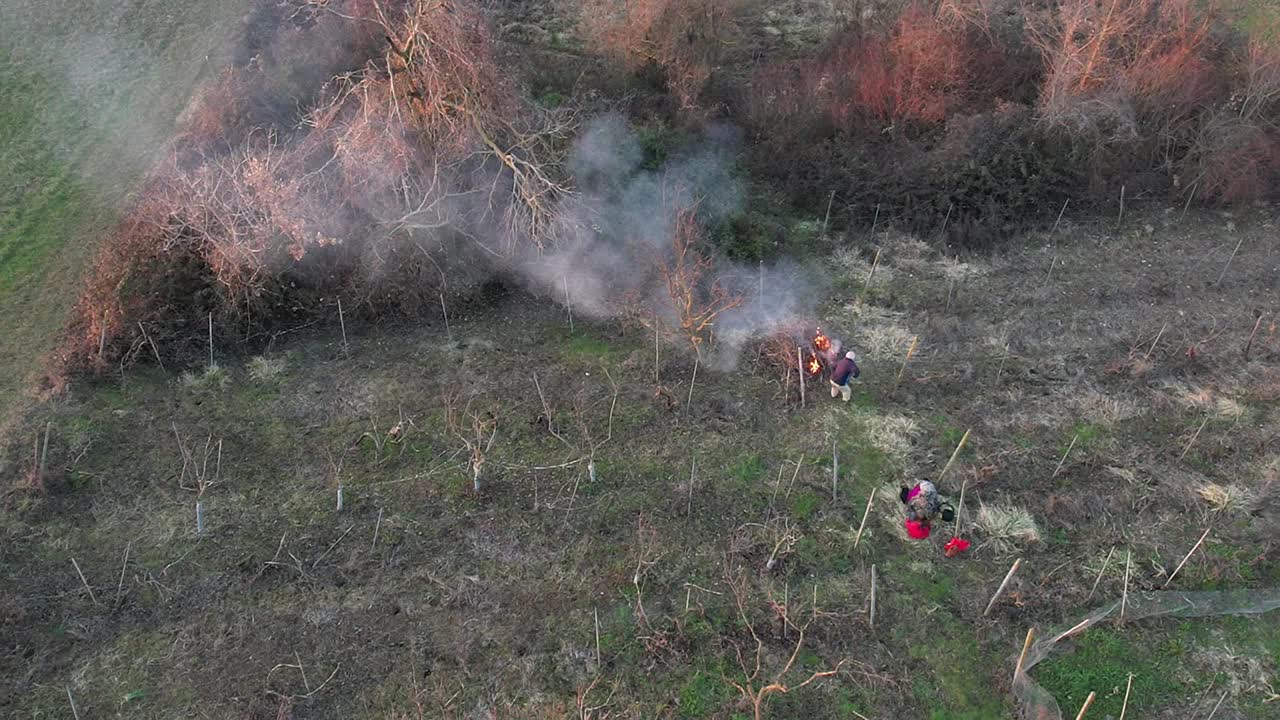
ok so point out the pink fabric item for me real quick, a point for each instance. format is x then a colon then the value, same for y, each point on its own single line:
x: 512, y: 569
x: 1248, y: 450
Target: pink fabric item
x: 917, y: 530
x: 914, y: 492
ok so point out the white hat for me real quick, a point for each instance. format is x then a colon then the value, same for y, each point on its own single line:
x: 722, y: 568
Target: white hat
x: 851, y: 355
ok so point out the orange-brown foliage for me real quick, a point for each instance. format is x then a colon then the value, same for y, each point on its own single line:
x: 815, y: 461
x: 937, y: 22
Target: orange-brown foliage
x: 229, y: 229
x: 685, y: 39
x: 920, y: 72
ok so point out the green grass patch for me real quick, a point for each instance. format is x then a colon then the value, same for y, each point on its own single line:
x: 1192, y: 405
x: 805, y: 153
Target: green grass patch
x: 1102, y: 661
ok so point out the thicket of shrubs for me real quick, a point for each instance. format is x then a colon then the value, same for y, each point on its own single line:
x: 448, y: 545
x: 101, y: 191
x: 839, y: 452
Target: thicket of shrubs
x: 381, y: 152
x: 400, y: 178
x: 986, y: 114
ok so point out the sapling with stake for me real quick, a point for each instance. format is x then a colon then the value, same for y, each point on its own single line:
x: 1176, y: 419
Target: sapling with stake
x: 201, y: 478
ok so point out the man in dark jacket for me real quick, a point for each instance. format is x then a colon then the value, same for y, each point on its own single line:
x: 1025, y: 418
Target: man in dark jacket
x: 841, y: 373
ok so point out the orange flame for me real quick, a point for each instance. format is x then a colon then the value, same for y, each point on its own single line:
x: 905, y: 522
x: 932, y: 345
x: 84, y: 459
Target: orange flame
x: 813, y: 365
x: 822, y: 342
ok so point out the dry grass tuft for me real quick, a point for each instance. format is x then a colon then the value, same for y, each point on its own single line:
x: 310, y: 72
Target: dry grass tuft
x: 265, y: 368
x: 1005, y: 525
x: 891, y: 434
x: 1234, y: 498
x: 1102, y: 409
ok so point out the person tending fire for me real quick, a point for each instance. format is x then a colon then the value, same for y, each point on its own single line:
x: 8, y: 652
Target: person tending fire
x: 845, y: 370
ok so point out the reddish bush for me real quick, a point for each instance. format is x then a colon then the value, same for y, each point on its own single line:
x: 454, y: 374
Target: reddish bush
x: 684, y: 39
x: 916, y: 75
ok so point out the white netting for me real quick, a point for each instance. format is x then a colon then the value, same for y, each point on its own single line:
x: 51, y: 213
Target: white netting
x: 1037, y: 704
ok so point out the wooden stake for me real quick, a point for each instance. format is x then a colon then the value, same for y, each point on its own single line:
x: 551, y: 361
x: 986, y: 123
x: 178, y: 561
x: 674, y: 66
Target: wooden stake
x: 800, y: 368
x: 960, y: 508
x: 1067, y: 633
x: 656, y: 337
x: 199, y: 518
x: 1000, y: 370
x: 1157, y: 341
x: 1191, y: 195
x: 1017, y: 669
x: 1228, y: 265
x: 794, y: 475
x: 75, y: 712
x: 154, y: 350
x: 875, y: 221
x: 339, y: 497
x: 1119, y: 219
x: 915, y: 341
x: 102, y: 337
x: 1124, y: 595
x: 76, y: 565
x: 943, y: 231
x: 1085, y: 708
x: 342, y: 322
x: 835, y: 469
x: 1000, y: 590
x: 123, y: 566
x: 688, y: 403
x: 693, y: 472
x: 1215, y: 707
x: 871, y: 617
x: 444, y: 312
x: 1047, y: 277
x: 44, y: 453
x: 1105, y: 564
x: 1249, y: 345
x: 210, y: 339
x: 1192, y: 441
x: 858, y: 538
x: 870, y: 274
x: 377, y: 526
x: 1186, y: 558
x: 1127, y: 687
x: 1060, y: 212
x: 830, y: 200
x: 567, y: 302
x: 954, y: 455
x: 1064, y: 456
x: 596, y: 612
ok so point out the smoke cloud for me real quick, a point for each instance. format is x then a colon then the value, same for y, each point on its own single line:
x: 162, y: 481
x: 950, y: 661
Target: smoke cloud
x: 616, y: 230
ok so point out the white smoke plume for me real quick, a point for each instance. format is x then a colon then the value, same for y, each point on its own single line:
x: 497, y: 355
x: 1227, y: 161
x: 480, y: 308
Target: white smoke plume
x: 617, y: 228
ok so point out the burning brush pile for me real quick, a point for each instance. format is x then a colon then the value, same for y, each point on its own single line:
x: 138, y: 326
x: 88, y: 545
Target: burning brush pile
x: 791, y: 349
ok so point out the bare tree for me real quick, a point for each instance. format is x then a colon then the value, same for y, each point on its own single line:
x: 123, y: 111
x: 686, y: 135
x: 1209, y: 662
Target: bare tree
x: 756, y: 683
x: 476, y: 428
x: 697, y: 297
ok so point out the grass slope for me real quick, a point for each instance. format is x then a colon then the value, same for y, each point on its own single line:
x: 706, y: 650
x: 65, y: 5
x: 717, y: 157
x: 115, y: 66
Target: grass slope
x: 90, y: 89
x: 425, y: 599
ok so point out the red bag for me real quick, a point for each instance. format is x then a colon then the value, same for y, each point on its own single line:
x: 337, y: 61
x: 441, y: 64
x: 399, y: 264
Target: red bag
x: 955, y: 546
